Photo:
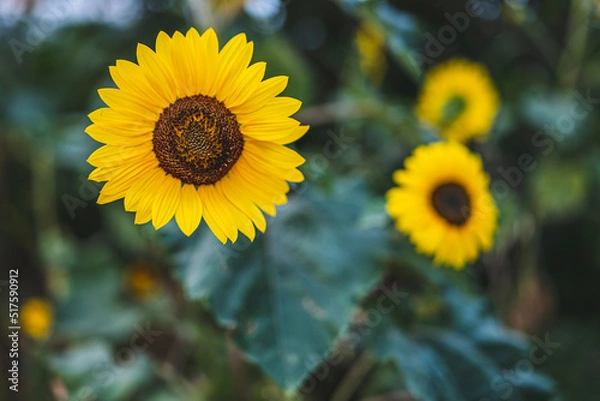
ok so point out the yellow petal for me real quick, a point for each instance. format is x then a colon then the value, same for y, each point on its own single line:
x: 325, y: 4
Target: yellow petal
x: 266, y: 91
x: 142, y: 197
x: 143, y: 216
x: 109, y: 156
x: 102, y: 135
x: 145, y: 188
x: 209, y: 214
x: 166, y: 202
x: 189, y: 213
x: 278, y: 108
x: 264, y: 200
x: 260, y: 179
x: 274, y: 154
x: 270, y: 131
x: 102, y: 174
x: 294, y: 176
x: 193, y: 64
x: 243, y: 86
x: 107, y: 118
x: 233, y: 61
x: 185, y: 65
x: 240, y: 199
x: 209, y: 53
x: 243, y: 223
x: 129, y: 78
x: 158, y: 72
x: 122, y: 180
x: 124, y: 103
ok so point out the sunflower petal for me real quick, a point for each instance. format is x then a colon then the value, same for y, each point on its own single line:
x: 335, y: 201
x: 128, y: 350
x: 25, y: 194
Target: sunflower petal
x: 240, y: 200
x: 166, y: 202
x: 265, y: 92
x: 158, y: 72
x: 213, y: 220
x: 189, y: 213
x: 245, y: 84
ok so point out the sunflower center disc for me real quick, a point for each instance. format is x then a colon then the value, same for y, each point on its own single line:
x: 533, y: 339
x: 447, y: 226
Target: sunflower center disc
x: 451, y: 201
x: 197, y: 140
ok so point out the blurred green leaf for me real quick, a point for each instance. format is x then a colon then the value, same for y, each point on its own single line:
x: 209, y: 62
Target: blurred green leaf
x: 559, y: 189
x: 468, y: 356
x: 288, y: 295
x: 91, y: 371
x: 425, y: 375
x: 283, y: 59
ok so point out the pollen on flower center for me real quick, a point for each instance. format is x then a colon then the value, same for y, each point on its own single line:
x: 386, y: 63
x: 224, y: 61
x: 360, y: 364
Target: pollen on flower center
x: 197, y: 140
x: 452, y: 203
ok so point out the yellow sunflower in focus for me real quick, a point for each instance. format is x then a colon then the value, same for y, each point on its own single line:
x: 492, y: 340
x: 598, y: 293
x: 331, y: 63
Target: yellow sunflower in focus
x: 195, y: 132
x: 37, y: 318
x: 459, y: 100
x: 443, y: 204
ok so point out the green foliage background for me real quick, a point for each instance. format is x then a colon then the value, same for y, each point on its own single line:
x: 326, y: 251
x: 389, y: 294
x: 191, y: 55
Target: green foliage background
x: 331, y: 303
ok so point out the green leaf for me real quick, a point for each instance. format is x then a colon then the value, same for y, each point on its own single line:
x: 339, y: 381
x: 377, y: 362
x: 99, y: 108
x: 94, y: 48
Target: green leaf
x: 439, y: 365
x: 467, y: 355
x: 288, y: 295
x: 480, y: 377
x: 475, y: 373
x: 426, y: 376
x: 560, y: 189
x: 91, y: 372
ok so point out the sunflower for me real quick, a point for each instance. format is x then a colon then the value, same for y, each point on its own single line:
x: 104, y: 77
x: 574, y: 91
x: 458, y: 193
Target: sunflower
x: 370, y: 42
x: 459, y: 100
x: 142, y: 280
x: 195, y: 132
x: 443, y: 204
x: 37, y: 317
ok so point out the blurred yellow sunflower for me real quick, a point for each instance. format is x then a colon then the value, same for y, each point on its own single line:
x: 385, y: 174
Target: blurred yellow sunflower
x: 195, y: 132
x: 142, y: 280
x: 443, y: 204
x: 458, y: 99
x: 37, y: 318
x: 370, y: 42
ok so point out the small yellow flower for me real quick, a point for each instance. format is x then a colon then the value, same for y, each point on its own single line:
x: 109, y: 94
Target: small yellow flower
x: 459, y: 100
x: 142, y: 281
x: 195, y: 132
x: 370, y: 41
x: 37, y: 318
x: 443, y: 204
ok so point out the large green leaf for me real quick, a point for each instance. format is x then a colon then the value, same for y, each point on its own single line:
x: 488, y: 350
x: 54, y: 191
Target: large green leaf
x: 439, y: 365
x: 426, y: 376
x: 288, y: 295
x: 465, y: 355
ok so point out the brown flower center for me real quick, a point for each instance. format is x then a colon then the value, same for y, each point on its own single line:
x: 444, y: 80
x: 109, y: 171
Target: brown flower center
x: 452, y: 202
x: 197, y: 140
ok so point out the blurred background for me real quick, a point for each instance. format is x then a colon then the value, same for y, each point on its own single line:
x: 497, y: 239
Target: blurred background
x: 112, y: 311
